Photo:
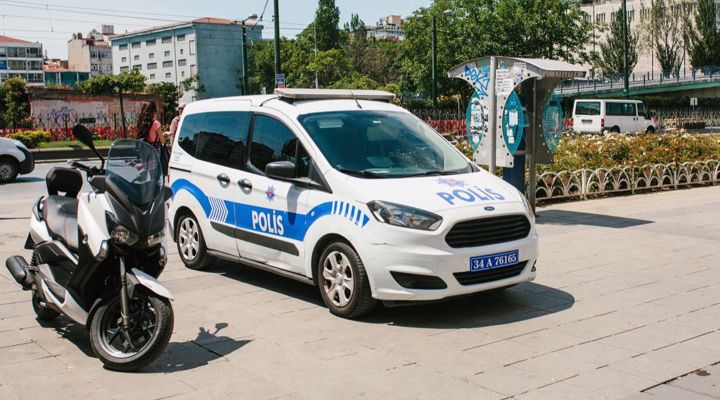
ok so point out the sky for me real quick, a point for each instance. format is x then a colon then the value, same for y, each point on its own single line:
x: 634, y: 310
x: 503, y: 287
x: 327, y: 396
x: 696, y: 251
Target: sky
x: 52, y: 22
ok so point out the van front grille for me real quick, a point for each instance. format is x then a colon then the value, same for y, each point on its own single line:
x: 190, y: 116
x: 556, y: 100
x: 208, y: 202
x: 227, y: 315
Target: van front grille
x: 486, y: 231
x: 473, y: 278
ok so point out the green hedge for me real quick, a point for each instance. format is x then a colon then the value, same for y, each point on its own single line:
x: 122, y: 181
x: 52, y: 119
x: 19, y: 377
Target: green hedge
x: 615, y: 149
x: 32, y: 139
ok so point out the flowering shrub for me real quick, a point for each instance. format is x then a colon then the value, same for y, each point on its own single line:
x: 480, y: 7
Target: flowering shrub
x: 31, y: 139
x: 616, y: 149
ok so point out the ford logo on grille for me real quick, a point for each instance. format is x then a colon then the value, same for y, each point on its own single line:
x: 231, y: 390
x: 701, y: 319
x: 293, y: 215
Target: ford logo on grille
x: 489, y: 208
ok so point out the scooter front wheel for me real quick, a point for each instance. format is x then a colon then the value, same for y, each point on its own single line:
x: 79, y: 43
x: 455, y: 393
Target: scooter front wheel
x: 151, y: 325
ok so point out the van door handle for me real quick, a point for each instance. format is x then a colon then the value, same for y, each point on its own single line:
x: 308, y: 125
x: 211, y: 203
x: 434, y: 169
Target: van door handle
x: 245, y: 183
x: 223, y: 178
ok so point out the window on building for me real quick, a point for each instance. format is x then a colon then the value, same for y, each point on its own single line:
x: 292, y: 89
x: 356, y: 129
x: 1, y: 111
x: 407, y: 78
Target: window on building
x: 150, y: 42
x: 135, y: 45
x: 152, y: 66
x: 137, y: 67
x: 167, y: 64
x: 600, y: 18
x: 152, y: 76
x: 167, y: 39
x: 16, y: 52
x: 180, y: 38
x: 631, y: 15
x: 182, y: 63
x: 168, y: 75
x: 123, y: 59
x: 123, y: 46
x: 33, y: 52
x: 3, y: 52
x: 125, y: 68
x: 182, y: 74
x: 136, y: 58
x: 192, y: 47
x: 273, y: 141
x: 167, y: 53
x: 193, y: 70
x: 35, y: 78
x: 182, y: 51
x: 17, y: 65
x: 35, y: 65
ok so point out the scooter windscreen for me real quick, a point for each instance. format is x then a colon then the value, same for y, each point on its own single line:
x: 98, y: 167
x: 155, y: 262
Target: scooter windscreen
x: 134, y: 168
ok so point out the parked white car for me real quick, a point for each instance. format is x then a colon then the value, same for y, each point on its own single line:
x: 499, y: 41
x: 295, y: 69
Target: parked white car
x: 345, y: 191
x: 594, y: 116
x: 15, y: 159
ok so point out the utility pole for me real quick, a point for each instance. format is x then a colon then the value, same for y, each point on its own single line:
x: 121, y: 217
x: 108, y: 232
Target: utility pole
x: 317, y: 83
x: 244, y: 62
x: 277, y: 37
x: 434, y: 63
x: 626, y: 73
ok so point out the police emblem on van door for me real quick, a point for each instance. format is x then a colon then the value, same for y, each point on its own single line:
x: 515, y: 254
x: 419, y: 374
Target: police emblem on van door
x: 270, y: 193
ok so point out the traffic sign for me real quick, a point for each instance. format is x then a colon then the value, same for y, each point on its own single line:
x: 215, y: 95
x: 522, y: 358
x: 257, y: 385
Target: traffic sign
x: 280, y: 80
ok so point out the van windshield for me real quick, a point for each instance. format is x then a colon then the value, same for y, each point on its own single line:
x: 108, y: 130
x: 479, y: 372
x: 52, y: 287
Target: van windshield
x: 587, y: 108
x: 382, y: 144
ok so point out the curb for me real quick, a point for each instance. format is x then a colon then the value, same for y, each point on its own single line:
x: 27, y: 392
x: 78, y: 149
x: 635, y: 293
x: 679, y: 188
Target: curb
x: 66, y: 153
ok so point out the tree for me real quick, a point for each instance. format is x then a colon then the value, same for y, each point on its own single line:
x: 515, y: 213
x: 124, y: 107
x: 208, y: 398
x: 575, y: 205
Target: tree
x: 168, y: 93
x: 124, y: 82
x: 612, y: 51
x: 702, y: 37
x: 327, y: 19
x: 474, y: 28
x: 664, y: 30
x: 15, y: 101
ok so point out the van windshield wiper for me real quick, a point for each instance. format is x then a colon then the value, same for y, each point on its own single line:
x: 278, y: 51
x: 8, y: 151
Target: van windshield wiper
x: 364, y: 173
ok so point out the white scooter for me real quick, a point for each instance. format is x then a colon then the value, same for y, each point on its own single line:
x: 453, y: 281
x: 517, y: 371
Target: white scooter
x: 96, y: 256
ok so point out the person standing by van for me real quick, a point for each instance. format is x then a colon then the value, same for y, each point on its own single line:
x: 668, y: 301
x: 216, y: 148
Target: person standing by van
x: 174, y: 124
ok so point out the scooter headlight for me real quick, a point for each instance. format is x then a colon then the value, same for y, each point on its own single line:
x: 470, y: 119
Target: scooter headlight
x: 404, y: 216
x: 121, y: 235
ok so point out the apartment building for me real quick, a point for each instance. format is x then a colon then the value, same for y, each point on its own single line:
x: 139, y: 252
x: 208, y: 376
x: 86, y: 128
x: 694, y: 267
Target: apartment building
x: 92, y: 51
x: 21, y: 58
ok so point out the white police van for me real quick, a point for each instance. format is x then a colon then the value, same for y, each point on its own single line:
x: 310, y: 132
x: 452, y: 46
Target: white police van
x: 346, y: 191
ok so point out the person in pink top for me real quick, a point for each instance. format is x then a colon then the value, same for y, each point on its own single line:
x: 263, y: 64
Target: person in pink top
x: 149, y: 128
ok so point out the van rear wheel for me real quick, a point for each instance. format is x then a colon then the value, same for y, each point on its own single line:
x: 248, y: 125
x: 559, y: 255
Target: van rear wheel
x: 343, y: 282
x: 191, y: 244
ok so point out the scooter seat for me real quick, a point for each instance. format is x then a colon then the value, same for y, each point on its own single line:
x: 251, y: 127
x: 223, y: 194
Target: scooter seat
x: 61, y: 219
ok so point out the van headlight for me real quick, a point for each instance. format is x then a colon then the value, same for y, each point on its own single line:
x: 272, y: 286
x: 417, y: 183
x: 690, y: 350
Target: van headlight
x: 404, y: 216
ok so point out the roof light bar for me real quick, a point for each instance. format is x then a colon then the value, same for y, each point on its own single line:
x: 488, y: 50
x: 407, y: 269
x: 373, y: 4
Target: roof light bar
x: 329, y: 94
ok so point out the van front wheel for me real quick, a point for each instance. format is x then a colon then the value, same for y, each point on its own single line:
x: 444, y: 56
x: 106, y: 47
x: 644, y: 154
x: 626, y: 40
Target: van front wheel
x: 191, y: 244
x: 343, y: 282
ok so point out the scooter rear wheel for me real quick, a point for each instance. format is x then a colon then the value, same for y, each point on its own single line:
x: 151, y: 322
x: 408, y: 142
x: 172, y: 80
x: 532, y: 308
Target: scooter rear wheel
x: 151, y: 325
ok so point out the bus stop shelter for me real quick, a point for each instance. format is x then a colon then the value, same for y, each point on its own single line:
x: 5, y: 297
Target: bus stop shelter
x: 510, y: 102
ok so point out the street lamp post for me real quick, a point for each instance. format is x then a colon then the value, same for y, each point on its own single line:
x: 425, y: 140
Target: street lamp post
x: 626, y: 72
x: 244, y: 53
x: 277, y: 37
x: 433, y: 61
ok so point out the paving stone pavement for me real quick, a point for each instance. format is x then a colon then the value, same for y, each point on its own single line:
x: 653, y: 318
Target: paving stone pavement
x: 626, y: 305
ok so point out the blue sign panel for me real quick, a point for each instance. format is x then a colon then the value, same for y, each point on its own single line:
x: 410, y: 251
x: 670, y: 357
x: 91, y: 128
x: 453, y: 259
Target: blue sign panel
x: 552, y: 123
x: 513, y: 122
x: 3, y: 65
x: 476, y: 120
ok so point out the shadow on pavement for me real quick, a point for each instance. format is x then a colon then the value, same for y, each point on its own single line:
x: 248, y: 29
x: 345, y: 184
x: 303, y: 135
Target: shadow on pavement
x: 563, y: 217
x: 518, y: 303
x: 206, y: 347
x: 267, y: 280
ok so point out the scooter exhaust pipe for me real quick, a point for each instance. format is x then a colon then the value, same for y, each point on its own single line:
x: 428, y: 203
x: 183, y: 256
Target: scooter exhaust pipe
x: 18, y: 268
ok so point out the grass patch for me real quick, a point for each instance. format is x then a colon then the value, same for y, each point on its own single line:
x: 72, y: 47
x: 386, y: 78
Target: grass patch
x: 71, y: 143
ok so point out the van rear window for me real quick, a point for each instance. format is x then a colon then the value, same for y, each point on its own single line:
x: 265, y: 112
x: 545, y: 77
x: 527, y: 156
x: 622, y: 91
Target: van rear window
x: 587, y: 108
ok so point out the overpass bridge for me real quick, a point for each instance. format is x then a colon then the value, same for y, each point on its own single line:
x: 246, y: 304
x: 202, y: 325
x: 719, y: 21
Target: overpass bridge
x: 692, y: 83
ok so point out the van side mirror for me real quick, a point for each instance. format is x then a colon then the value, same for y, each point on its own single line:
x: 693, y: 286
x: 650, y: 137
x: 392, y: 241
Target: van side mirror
x: 281, y: 169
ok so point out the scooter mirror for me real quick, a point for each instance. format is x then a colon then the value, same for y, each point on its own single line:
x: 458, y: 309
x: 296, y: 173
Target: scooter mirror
x: 84, y: 135
x: 168, y: 193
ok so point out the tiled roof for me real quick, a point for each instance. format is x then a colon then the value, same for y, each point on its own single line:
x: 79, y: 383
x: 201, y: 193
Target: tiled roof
x: 211, y: 20
x: 8, y: 39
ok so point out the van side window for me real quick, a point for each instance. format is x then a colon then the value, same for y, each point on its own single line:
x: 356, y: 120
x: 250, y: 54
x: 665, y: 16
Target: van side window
x: 613, y: 109
x: 587, y: 108
x: 629, y: 110
x: 273, y: 141
x: 217, y: 137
